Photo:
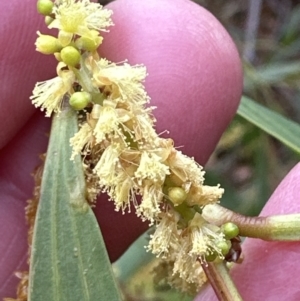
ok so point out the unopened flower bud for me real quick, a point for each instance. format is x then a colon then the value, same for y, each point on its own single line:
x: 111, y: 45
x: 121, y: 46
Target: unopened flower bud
x: 57, y: 56
x: 65, y: 38
x: 89, y: 44
x: 230, y: 230
x: 44, y: 7
x: 70, y: 56
x: 177, y: 195
x: 79, y: 100
x: 211, y: 256
x: 48, y: 20
x: 224, y: 246
x: 47, y: 44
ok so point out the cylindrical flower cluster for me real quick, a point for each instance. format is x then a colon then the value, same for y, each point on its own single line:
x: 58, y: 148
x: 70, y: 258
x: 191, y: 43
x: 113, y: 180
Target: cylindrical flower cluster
x: 121, y: 152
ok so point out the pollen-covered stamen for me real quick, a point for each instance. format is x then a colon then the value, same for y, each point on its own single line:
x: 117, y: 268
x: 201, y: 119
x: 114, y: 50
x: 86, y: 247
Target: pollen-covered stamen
x: 82, y: 141
x: 106, y: 168
x: 151, y: 168
x: 166, y: 234
x: 202, y: 195
x: 80, y: 18
x: 49, y: 94
x: 205, y: 238
x: 152, y: 197
x: 185, y: 168
x: 123, y: 193
x: 108, y: 124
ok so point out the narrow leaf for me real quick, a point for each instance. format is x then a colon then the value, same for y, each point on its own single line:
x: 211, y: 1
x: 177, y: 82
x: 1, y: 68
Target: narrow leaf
x: 68, y: 259
x: 277, y: 72
x: 285, y: 130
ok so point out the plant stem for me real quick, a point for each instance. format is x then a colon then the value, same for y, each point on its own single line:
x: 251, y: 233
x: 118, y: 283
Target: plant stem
x: 277, y: 227
x: 221, y: 282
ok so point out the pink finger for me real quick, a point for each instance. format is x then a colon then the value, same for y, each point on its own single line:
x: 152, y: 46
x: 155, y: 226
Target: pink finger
x: 20, y: 65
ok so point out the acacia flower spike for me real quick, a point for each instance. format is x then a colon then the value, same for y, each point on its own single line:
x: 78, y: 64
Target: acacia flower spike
x: 122, y: 155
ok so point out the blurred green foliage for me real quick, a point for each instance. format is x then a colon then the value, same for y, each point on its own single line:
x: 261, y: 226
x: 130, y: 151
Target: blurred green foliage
x: 248, y: 163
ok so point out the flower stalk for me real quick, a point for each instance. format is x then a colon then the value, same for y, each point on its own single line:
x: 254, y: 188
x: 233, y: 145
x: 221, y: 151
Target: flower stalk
x: 221, y: 282
x: 276, y: 227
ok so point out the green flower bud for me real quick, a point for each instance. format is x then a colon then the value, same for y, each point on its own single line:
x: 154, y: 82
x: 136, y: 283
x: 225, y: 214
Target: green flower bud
x: 47, y: 44
x: 48, y: 20
x: 70, y: 56
x: 186, y: 212
x: 211, y: 256
x: 224, y: 246
x: 230, y: 230
x: 65, y: 38
x: 79, y: 100
x: 57, y: 56
x: 44, y: 7
x: 177, y: 195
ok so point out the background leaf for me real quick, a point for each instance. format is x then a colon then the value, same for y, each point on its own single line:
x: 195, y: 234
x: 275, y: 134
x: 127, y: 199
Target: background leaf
x: 69, y: 260
x: 285, y: 130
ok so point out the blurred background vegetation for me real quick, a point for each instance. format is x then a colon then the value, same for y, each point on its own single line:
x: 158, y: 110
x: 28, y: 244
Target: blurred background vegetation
x: 247, y: 162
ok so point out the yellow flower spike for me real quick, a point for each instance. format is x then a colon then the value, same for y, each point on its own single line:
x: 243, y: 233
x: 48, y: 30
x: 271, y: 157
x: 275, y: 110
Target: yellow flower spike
x: 44, y: 7
x: 47, y: 44
x: 121, y: 152
x: 70, y: 56
x: 79, y: 100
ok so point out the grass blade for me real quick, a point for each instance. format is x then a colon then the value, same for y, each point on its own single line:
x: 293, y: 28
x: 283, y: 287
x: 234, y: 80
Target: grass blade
x: 283, y: 129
